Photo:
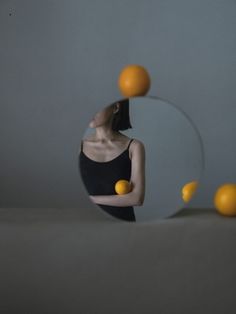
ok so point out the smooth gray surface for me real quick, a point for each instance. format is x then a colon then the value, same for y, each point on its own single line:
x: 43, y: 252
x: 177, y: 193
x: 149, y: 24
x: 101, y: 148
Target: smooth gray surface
x: 60, y: 261
x: 60, y: 62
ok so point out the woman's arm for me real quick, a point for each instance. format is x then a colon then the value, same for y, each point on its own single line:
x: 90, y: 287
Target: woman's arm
x: 136, y: 196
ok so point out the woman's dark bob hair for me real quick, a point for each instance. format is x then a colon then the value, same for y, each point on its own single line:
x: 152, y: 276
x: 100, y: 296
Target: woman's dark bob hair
x: 121, y: 120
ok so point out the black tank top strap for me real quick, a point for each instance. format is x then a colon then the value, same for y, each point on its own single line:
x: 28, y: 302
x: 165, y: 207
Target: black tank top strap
x: 130, y: 143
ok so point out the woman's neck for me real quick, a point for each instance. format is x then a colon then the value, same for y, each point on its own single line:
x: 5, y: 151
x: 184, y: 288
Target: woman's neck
x: 105, y: 134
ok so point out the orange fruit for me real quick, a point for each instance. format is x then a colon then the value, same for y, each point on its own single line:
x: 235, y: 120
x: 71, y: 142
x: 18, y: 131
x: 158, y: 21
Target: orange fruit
x: 122, y: 187
x: 134, y: 80
x: 225, y: 199
x: 188, y: 190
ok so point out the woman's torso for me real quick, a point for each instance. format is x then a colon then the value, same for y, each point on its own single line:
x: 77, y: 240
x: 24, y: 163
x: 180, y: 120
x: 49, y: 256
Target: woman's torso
x: 100, y: 178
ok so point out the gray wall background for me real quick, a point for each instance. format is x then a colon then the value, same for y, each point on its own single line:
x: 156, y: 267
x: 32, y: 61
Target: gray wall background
x: 60, y: 62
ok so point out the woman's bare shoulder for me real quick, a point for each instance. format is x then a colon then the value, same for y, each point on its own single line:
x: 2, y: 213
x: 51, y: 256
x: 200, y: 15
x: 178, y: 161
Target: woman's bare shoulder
x: 87, y: 143
x: 137, y: 146
x: 136, y: 142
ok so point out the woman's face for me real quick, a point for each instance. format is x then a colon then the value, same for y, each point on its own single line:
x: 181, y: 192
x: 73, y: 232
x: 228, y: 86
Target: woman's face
x: 102, y: 117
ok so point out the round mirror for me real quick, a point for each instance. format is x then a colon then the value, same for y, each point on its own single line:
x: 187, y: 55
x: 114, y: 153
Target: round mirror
x: 141, y: 158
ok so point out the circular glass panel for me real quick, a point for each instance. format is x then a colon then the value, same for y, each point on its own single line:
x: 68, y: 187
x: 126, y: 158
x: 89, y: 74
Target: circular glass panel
x: 152, y: 148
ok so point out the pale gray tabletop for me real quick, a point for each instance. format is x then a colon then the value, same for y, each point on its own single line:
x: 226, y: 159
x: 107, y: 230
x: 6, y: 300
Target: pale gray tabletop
x: 62, y: 261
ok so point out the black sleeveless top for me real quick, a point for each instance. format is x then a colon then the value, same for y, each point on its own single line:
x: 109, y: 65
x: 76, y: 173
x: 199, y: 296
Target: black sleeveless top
x: 100, y: 177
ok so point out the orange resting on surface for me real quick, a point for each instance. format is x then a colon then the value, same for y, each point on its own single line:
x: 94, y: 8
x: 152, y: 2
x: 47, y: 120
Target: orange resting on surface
x: 134, y: 80
x: 225, y: 199
x: 122, y: 187
x: 188, y: 190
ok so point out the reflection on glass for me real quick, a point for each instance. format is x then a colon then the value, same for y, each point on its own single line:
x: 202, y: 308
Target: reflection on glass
x: 112, y: 164
x: 146, y: 171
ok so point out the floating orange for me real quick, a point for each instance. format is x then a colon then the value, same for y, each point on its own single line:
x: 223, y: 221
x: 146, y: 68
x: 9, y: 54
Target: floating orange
x: 225, y: 199
x: 188, y: 190
x: 122, y: 187
x: 134, y: 80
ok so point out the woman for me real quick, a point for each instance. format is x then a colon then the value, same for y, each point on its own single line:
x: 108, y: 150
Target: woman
x: 108, y: 156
